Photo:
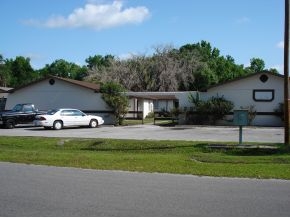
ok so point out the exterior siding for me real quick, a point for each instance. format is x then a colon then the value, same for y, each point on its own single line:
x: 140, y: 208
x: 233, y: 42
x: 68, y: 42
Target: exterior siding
x: 67, y: 94
x: 240, y: 92
x: 59, y: 95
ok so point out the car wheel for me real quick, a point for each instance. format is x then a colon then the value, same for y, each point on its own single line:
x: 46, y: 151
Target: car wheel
x: 57, y: 125
x: 10, y: 124
x: 94, y: 123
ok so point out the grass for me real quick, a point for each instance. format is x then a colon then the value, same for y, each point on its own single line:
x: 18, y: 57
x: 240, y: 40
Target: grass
x: 181, y: 157
x: 147, y: 121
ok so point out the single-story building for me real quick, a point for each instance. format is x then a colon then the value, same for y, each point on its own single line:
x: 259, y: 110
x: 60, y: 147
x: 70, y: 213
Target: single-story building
x: 150, y: 102
x: 3, y: 97
x: 263, y: 92
x: 56, y: 92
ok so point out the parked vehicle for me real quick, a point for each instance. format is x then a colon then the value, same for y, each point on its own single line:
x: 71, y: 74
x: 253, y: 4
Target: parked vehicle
x: 66, y: 117
x: 20, y: 114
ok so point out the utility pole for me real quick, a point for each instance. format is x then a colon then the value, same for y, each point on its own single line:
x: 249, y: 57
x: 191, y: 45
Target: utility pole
x: 286, y: 74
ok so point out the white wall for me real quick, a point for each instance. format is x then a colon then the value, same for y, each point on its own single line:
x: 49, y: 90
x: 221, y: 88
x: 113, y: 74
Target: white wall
x: 64, y: 94
x: 59, y: 95
x: 182, y: 97
x: 147, y: 107
x: 240, y: 92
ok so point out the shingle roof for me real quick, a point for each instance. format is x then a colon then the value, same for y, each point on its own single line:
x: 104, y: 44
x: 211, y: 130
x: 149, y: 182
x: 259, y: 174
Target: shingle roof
x: 93, y: 86
x: 243, y: 77
x: 5, y: 89
x: 88, y: 85
x: 154, y: 97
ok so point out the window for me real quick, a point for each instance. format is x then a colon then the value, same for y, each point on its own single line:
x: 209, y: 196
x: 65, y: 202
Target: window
x: 27, y: 108
x: 264, y: 78
x: 77, y: 113
x: 156, y: 104
x: 66, y: 113
x: 263, y: 95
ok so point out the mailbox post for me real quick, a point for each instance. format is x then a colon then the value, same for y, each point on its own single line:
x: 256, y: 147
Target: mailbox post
x: 241, y: 118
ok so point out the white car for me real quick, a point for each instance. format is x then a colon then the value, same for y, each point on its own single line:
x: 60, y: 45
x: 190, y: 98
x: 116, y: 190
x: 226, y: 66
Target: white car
x: 65, y: 117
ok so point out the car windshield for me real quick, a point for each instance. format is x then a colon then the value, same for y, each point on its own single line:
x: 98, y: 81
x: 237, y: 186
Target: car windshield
x: 52, y: 112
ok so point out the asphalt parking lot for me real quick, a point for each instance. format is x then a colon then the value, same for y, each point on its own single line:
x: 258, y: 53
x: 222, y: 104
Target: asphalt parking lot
x: 153, y: 132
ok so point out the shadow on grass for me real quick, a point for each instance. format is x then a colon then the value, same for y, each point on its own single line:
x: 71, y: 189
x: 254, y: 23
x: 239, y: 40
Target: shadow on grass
x: 247, y: 150
x: 100, y: 146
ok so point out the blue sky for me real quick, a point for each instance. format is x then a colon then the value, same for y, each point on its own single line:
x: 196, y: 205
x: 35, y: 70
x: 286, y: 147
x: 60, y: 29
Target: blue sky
x: 47, y: 30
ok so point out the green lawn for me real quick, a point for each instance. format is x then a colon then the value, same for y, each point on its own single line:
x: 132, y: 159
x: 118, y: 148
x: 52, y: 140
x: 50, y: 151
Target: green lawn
x: 181, y: 157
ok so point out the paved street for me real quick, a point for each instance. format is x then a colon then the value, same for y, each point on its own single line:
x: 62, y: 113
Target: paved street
x: 29, y: 190
x: 192, y: 133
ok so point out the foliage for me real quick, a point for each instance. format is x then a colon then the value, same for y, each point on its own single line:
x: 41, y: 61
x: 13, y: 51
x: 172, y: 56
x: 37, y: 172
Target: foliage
x: 64, y: 69
x: 98, y: 61
x: 256, y: 65
x: 175, y: 111
x: 164, y: 113
x: 280, y: 111
x: 150, y: 115
x: 211, y: 110
x: 190, y: 67
x: 20, y: 71
x: 195, y: 100
x: 218, y: 107
x: 5, y: 74
x: 114, y: 95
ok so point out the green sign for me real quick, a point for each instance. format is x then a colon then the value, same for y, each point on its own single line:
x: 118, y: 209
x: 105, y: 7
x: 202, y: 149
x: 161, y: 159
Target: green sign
x: 241, y: 117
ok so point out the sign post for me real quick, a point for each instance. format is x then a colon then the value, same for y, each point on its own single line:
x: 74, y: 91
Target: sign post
x: 241, y: 118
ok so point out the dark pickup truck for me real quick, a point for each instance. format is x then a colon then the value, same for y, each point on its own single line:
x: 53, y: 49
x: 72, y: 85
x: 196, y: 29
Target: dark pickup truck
x: 20, y: 114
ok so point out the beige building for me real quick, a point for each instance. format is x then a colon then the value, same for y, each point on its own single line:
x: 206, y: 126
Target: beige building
x: 56, y: 92
x: 3, y: 97
x: 262, y: 91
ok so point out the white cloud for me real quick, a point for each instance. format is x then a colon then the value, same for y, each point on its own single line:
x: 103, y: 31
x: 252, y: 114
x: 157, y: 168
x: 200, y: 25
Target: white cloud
x: 243, y: 20
x: 280, y: 45
x: 96, y: 16
x: 279, y: 67
x: 126, y: 56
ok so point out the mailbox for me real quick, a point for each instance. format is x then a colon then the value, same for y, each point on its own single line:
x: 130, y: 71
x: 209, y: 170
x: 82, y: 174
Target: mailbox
x: 241, y: 117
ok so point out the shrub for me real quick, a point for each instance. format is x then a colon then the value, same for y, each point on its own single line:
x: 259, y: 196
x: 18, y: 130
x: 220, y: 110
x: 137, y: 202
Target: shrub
x: 218, y: 107
x: 280, y: 111
x: 175, y: 111
x: 150, y: 115
x: 114, y: 95
x: 211, y: 110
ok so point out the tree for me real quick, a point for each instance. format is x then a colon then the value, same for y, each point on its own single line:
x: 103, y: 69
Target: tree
x: 21, y: 71
x: 98, y: 61
x: 63, y: 68
x: 211, y: 67
x: 114, y: 95
x: 191, y: 67
x: 5, y: 74
x: 256, y: 65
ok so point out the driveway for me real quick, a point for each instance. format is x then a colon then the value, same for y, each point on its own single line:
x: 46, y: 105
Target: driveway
x: 189, y: 133
x: 29, y: 190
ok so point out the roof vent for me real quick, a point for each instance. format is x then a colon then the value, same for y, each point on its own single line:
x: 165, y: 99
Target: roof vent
x: 264, y: 78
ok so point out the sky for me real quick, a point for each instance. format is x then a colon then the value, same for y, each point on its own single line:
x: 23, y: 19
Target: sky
x: 73, y: 30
